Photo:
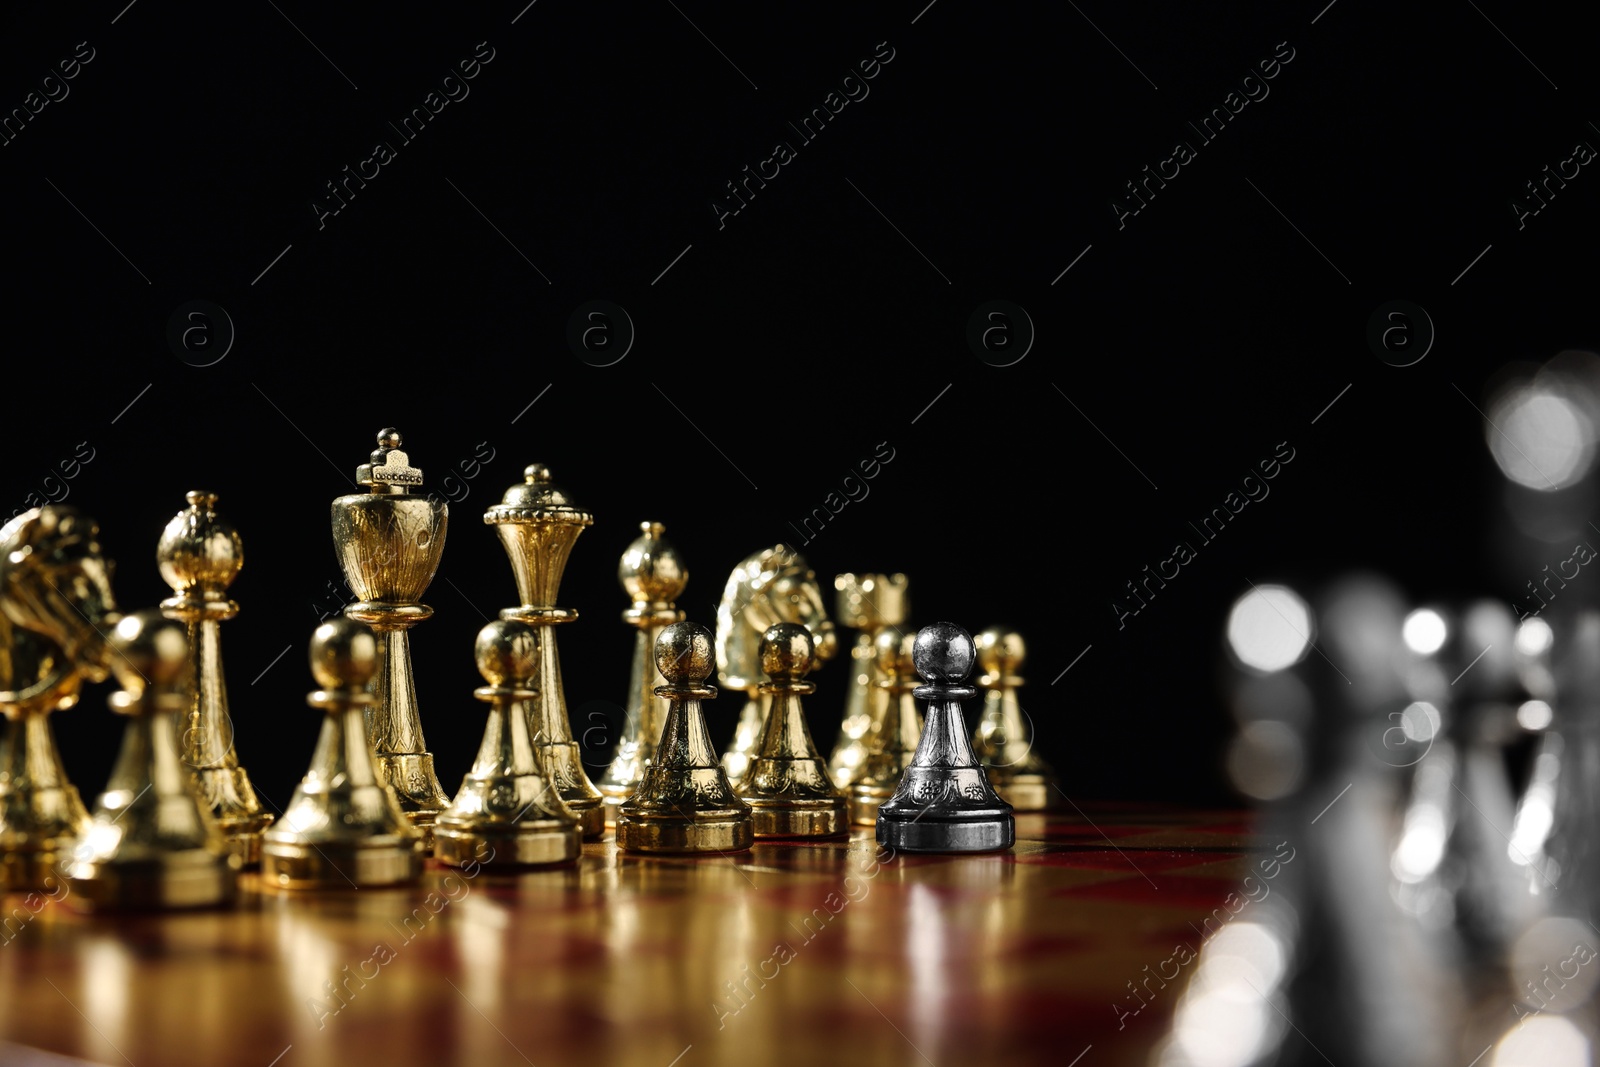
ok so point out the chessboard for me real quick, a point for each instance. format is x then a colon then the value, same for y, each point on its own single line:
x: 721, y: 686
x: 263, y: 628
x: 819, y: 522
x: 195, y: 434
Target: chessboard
x: 823, y: 952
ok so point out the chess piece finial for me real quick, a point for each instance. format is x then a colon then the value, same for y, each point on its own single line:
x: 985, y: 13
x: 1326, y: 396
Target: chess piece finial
x: 770, y: 586
x: 944, y: 802
x: 388, y: 465
x: 199, y: 555
x: 684, y: 801
x: 507, y: 813
x: 896, y: 727
x: 152, y: 842
x: 538, y: 524
x: 1003, y: 740
x: 870, y: 603
x: 653, y: 578
x: 344, y: 826
x: 389, y: 542
x: 55, y: 603
x: 787, y: 783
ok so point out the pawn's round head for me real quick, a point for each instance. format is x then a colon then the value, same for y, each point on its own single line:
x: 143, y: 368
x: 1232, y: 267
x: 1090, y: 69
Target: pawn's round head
x: 1000, y: 651
x: 344, y: 654
x: 943, y: 654
x: 786, y: 651
x: 149, y: 651
x: 506, y: 651
x: 684, y: 654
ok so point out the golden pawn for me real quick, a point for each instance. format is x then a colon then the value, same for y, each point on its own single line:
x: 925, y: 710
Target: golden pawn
x: 538, y: 524
x: 871, y: 603
x: 653, y: 577
x: 506, y: 814
x: 787, y: 784
x: 152, y: 842
x: 200, y: 555
x: 344, y: 826
x: 1003, y: 741
x: 55, y: 597
x: 389, y: 542
x: 684, y: 802
x: 896, y: 727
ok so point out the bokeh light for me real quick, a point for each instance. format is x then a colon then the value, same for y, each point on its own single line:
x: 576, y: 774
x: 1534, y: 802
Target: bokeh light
x: 1540, y: 437
x: 1534, y: 715
x: 1534, y: 637
x: 1269, y: 628
x: 1542, y: 1041
x: 1424, y: 631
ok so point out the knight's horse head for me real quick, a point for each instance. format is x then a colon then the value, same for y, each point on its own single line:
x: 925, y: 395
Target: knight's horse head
x: 771, y: 586
x: 55, y: 597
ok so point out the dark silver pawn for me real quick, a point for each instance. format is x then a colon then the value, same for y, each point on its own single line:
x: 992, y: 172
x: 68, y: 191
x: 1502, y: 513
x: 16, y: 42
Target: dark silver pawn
x: 945, y: 802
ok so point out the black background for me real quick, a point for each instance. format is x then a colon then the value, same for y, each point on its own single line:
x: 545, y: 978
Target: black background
x: 807, y: 330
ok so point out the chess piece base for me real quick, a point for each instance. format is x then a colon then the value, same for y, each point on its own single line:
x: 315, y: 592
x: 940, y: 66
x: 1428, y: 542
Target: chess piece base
x: 336, y: 865
x: 222, y: 787
x: 975, y: 831
x: 535, y: 843
x: 422, y: 822
x: 194, y: 879
x: 615, y: 796
x: 1026, y: 792
x: 247, y: 846
x: 560, y: 759
x: 707, y: 831
x: 821, y: 817
x: 36, y: 869
x: 591, y: 818
x: 865, y: 798
x: 39, y: 824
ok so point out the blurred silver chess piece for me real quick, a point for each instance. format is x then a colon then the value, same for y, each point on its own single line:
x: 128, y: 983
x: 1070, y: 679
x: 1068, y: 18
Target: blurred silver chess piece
x: 1451, y: 861
x: 1324, y: 964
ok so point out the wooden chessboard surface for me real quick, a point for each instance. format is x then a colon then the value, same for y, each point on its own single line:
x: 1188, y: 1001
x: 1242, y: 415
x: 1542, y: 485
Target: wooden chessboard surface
x: 827, y: 953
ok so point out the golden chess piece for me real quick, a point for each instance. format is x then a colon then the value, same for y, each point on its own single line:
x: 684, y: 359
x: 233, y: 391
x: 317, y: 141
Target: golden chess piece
x: 787, y: 785
x: 684, y: 801
x: 538, y: 524
x: 770, y: 586
x: 653, y: 578
x: 344, y: 826
x: 153, y: 842
x: 896, y: 727
x: 55, y: 595
x: 945, y: 802
x: 200, y: 555
x: 870, y: 603
x: 506, y: 813
x: 389, y: 543
x: 1003, y: 740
